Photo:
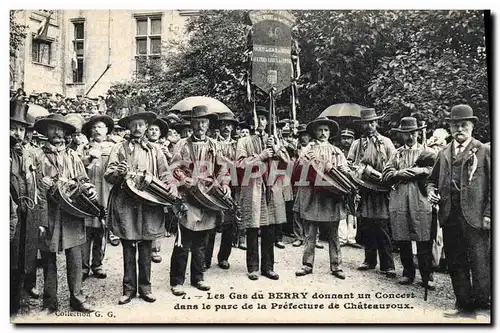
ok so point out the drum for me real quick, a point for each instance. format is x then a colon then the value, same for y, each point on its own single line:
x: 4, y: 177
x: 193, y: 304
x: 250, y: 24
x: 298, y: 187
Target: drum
x: 149, y: 189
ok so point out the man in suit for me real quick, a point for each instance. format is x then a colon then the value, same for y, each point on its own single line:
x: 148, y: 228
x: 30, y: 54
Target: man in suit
x: 460, y: 184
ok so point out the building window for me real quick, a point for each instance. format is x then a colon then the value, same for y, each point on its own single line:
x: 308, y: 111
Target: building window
x: 41, y: 51
x: 78, y: 57
x: 148, y: 42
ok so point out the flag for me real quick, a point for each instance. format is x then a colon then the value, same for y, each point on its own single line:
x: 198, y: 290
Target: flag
x: 44, y: 28
x: 74, y: 62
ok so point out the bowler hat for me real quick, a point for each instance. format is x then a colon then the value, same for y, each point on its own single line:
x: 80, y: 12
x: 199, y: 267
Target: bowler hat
x: 19, y: 113
x: 201, y: 111
x: 163, y: 125
x: 110, y: 124
x: 368, y: 115
x: 53, y: 119
x: 462, y: 112
x: 347, y: 132
x: 149, y: 117
x: 408, y: 124
x: 227, y: 117
x: 332, y: 124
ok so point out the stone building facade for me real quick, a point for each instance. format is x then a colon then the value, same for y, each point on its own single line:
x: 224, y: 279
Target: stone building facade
x: 85, y: 51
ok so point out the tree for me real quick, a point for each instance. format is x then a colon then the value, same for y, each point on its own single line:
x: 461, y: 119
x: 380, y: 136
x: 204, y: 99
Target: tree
x: 17, y: 36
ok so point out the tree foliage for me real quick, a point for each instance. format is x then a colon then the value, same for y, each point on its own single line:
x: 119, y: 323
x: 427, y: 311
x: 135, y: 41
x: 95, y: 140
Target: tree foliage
x: 400, y: 62
x: 17, y: 34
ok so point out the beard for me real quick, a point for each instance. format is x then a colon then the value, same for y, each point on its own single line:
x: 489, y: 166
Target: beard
x: 14, y: 141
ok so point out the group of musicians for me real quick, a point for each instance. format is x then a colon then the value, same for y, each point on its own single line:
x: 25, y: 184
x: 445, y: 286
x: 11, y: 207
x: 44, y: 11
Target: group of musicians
x: 268, y: 176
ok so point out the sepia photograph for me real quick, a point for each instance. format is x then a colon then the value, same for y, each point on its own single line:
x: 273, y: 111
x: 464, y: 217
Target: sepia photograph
x: 224, y: 166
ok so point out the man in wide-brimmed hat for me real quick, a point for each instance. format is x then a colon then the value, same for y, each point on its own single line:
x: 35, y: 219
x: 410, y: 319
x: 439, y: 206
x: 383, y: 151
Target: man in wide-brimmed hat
x: 410, y: 211
x: 24, y: 244
x: 460, y: 183
x: 262, y: 201
x: 95, y: 158
x: 226, y: 123
x: 60, y: 230
x: 195, y: 160
x: 319, y: 207
x: 131, y: 219
x: 368, y: 155
x: 184, y: 128
x: 156, y: 131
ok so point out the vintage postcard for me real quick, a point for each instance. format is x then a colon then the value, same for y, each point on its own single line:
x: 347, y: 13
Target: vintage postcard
x: 250, y: 166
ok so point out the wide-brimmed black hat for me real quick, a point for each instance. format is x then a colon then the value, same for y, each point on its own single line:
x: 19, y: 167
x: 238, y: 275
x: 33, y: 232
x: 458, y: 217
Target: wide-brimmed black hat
x: 244, y: 124
x: 462, y: 112
x: 368, y: 115
x: 149, y: 117
x: 302, y: 128
x: 408, y: 124
x: 94, y: 119
x: 201, y: 111
x: 163, y: 125
x: 282, y: 123
x: 53, y: 119
x: 183, y: 124
x: 228, y: 117
x: 19, y: 113
x: 332, y: 124
x: 172, y: 119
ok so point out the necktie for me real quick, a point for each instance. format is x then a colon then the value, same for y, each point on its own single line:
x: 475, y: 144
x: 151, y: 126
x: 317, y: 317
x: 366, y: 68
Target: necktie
x: 459, y: 149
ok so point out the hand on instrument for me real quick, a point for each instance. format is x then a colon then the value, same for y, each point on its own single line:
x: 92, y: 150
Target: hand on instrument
x: 42, y: 231
x: 171, y: 189
x: 433, y: 198
x: 266, y: 154
x: 486, y: 223
x: 344, y: 168
x: 189, y: 182
x: 92, y: 194
x: 405, y: 174
x: 226, y: 190
x: 122, y: 168
x: 47, y: 182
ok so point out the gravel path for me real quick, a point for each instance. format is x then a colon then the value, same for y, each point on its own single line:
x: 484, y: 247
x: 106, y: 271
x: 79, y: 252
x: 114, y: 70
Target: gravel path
x: 237, y: 290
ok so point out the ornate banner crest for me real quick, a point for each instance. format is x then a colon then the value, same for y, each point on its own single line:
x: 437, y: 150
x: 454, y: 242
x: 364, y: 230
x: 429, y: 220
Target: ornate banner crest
x: 271, y: 54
